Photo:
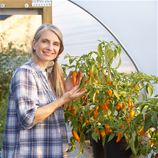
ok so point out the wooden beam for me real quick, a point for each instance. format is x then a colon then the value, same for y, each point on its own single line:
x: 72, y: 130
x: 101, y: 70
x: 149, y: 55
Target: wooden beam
x: 47, y: 15
x: 17, y: 3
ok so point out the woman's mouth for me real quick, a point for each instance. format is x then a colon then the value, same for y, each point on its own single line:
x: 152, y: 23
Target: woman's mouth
x: 48, y: 53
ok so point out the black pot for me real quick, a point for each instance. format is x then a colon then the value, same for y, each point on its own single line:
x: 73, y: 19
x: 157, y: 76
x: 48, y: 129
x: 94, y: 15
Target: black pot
x: 98, y: 149
x: 112, y: 149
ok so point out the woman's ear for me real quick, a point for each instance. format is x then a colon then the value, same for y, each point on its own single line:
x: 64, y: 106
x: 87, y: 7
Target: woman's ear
x: 33, y: 44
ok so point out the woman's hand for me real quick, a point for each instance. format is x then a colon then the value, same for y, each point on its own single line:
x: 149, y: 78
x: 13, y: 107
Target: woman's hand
x: 69, y: 83
x: 74, y: 94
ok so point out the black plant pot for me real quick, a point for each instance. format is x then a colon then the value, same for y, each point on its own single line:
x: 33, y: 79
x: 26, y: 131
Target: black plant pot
x: 113, y: 149
x: 98, y: 149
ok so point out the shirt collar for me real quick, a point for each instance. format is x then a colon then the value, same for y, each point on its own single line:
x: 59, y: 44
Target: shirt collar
x: 35, y: 65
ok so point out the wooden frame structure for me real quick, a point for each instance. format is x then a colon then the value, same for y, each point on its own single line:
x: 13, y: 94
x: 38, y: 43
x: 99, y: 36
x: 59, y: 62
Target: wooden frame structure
x: 45, y: 11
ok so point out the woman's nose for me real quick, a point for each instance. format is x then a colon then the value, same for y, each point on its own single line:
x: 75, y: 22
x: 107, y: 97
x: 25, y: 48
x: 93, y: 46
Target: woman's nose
x: 50, y: 47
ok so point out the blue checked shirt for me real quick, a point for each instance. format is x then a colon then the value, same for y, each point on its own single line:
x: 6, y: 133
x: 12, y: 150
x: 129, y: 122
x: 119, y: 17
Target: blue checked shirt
x: 29, y: 89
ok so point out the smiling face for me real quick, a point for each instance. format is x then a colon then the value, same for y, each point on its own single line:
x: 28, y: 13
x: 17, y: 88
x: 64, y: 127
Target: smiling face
x: 46, y: 48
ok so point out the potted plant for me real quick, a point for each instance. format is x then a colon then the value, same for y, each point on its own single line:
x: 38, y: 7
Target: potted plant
x: 111, y: 108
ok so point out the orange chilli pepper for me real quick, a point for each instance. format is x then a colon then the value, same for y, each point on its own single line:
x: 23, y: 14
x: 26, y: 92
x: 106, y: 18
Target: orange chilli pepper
x: 74, y: 77
x: 152, y: 143
x: 110, y: 93
x: 69, y: 106
x: 96, y: 130
x: 95, y: 113
x: 109, y: 82
x: 86, y: 121
x: 131, y: 114
x: 75, y: 135
x: 107, y: 128
x: 106, y: 102
x: 90, y: 72
x: 97, y: 92
x: 102, y: 132
x: 80, y: 118
x: 118, y: 137
x: 129, y: 102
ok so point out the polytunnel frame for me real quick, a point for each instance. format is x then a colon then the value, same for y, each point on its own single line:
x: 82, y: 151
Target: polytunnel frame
x: 115, y: 37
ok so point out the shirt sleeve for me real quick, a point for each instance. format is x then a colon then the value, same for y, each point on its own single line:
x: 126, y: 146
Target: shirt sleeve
x: 24, y: 91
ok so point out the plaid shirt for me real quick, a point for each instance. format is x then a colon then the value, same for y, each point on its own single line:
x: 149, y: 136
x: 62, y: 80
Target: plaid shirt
x: 29, y: 89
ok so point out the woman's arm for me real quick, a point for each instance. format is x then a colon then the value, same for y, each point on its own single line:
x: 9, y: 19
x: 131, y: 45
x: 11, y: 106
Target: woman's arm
x: 45, y: 111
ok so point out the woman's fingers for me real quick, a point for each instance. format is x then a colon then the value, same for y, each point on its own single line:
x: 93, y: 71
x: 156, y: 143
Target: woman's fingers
x: 70, y: 74
x: 75, y: 93
x: 79, y: 77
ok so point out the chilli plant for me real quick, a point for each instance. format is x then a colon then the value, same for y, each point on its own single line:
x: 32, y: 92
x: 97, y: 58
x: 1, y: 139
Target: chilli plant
x: 111, y: 105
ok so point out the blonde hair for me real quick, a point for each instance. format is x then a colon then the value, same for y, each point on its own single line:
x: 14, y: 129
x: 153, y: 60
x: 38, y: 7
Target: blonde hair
x: 55, y: 78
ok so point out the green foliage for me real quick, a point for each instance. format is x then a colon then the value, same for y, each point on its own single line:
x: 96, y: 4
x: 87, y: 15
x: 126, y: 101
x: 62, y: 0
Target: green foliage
x: 11, y: 57
x: 122, y: 112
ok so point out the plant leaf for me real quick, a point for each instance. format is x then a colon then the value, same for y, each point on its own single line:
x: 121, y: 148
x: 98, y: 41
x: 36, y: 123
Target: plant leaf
x: 82, y: 137
x: 148, y: 123
x: 111, y: 136
x: 100, y: 49
x: 94, y: 98
x: 133, y: 147
x: 116, y: 94
x: 143, y: 97
x: 154, y: 119
x: 119, y: 64
x: 94, y: 136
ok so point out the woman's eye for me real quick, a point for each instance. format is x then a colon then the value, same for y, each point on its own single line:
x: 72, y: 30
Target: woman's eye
x: 56, y: 44
x: 44, y: 41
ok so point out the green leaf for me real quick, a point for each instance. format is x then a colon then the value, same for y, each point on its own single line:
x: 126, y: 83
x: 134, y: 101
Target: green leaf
x: 124, y: 130
x: 98, y: 59
x: 103, y: 140
x: 80, y: 150
x: 119, y: 64
x: 115, y: 53
x: 110, y: 106
x: 153, y: 155
x: 149, y: 90
x: 111, y: 136
x: 154, y: 119
x: 148, y: 123
x: 100, y: 49
x: 134, y: 136
x: 91, y: 80
x: 71, y: 149
x: 83, y: 80
x: 138, y: 118
x: 133, y: 147
x: 94, y: 98
x: 74, y: 124
x: 94, y: 67
x: 66, y: 56
x: 72, y: 141
x: 148, y: 146
x: 82, y: 137
x: 116, y: 94
x: 94, y: 136
x: 156, y: 96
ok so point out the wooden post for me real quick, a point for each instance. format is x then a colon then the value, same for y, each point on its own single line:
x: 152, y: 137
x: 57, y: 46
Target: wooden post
x: 47, y: 15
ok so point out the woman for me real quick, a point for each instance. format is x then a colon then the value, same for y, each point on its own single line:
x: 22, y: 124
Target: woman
x: 35, y: 125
